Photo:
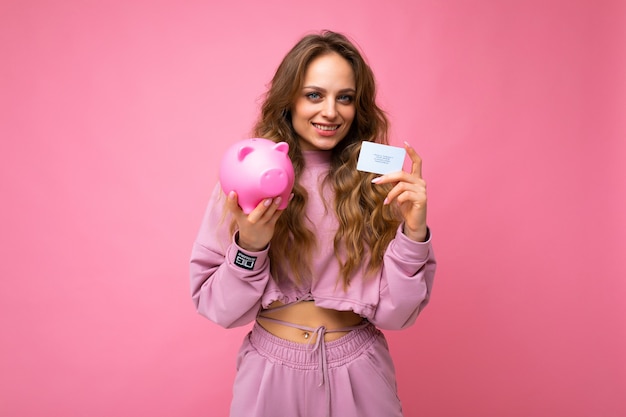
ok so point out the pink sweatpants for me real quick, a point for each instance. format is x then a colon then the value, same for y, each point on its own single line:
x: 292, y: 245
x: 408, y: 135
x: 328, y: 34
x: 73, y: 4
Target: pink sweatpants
x: 349, y: 377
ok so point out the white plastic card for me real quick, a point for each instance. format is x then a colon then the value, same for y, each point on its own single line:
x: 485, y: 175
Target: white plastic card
x: 380, y: 159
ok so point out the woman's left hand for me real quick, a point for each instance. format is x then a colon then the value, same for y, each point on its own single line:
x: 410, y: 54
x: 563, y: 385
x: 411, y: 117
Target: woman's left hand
x: 410, y: 195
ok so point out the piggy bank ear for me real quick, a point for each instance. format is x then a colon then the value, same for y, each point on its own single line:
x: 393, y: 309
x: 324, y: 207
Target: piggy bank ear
x: 282, y: 147
x: 243, y: 152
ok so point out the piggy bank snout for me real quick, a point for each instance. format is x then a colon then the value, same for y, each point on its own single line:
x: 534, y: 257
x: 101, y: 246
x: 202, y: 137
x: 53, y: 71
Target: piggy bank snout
x: 274, y: 181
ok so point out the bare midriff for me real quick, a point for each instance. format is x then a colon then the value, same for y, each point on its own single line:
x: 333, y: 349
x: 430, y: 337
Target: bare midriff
x: 306, y: 314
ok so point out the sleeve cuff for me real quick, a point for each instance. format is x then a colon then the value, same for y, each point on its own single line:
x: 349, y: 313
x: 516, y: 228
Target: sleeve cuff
x: 245, y: 259
x: 408, y: 249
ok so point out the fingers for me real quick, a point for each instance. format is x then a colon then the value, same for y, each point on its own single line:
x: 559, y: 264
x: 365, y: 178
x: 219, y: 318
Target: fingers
x: 416, y: 169
x: 407, y: 192
x: 232, y: 203
x: 256, y: 229
x: 416, y: 166
x: 264, y: 211
x: 409, y: 187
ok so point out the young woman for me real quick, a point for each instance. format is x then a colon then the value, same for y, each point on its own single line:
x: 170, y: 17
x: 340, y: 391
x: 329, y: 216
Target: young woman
x: 351, y: 253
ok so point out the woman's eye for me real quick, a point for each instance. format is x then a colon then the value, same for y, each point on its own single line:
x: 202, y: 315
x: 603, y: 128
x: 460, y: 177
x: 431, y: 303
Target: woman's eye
x: 345, y: 99
x: 313, y: 96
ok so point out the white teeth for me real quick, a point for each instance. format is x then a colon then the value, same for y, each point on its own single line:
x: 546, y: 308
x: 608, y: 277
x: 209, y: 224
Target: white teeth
x: 322, y: 127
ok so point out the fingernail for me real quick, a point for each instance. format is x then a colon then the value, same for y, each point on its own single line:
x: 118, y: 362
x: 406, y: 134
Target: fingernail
x: 376, y: 180
x: 386, y: 201
x: 277, y: 200
x: 267, y: 202
x: 407, y: 144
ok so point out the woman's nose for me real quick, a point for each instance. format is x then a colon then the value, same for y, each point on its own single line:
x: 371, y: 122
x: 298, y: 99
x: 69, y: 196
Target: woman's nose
x: 329, y: 110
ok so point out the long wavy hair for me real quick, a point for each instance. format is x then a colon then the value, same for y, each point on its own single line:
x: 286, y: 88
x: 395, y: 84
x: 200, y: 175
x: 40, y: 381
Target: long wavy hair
x: 366, y: 226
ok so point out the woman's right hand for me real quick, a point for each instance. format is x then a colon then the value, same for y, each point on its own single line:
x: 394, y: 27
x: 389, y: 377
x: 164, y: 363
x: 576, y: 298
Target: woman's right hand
x: 257, y: 228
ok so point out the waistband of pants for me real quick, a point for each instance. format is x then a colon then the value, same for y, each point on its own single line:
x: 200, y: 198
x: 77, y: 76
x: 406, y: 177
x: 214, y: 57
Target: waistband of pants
x: 306, y: 356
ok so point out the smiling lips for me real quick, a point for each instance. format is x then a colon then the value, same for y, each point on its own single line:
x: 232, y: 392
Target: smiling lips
x: 326, y: 130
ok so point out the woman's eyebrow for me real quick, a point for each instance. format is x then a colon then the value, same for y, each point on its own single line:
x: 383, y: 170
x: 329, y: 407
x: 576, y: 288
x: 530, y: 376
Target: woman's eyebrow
x: 343, y: 90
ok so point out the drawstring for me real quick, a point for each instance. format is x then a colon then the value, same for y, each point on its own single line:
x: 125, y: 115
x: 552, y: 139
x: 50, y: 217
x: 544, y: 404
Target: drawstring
x: 320, y: 347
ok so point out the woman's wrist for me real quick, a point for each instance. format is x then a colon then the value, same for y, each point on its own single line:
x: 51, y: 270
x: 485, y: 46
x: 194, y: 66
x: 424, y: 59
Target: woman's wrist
x: 249, y: 246
x: 419, y: 235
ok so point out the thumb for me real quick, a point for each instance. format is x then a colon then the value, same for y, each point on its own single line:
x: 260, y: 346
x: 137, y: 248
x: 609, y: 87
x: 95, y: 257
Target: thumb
x: 232, y: 202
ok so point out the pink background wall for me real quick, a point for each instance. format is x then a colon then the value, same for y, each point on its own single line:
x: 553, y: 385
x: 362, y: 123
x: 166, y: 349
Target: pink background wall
x: 112, y: 121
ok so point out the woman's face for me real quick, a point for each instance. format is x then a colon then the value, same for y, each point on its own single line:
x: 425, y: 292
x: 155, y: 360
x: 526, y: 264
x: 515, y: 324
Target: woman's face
x: 324, y: 108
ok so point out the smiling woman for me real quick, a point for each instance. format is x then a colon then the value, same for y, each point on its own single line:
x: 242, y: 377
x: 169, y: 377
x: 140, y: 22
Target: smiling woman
x: 114, y: 117
x: 323, y: 113
x: 321, y: 284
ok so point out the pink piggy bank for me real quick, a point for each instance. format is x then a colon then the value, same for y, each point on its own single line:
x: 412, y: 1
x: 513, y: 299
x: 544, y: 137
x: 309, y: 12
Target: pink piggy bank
x: 257, y: 169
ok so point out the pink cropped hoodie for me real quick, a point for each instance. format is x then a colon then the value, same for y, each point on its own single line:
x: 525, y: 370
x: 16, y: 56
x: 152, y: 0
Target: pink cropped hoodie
x: 230, y: 285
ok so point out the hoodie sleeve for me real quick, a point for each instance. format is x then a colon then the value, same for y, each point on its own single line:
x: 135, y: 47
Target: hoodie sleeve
x: 227, y: 282
x: 406, y: 282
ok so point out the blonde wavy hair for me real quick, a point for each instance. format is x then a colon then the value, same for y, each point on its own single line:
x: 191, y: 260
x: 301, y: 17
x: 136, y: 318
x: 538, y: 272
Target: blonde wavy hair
x: 366, y: 226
